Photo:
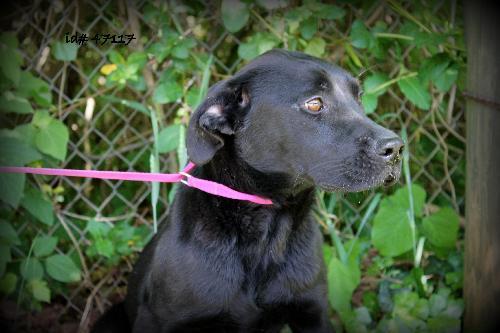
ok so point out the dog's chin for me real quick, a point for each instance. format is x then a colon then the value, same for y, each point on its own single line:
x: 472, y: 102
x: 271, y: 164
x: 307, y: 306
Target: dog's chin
x: 386, y: 179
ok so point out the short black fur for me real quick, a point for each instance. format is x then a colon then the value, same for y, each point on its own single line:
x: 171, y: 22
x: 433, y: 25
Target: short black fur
x: 222, y: 265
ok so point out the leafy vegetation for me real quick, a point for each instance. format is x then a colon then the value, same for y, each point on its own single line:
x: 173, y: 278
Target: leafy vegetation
x: 394, y: 256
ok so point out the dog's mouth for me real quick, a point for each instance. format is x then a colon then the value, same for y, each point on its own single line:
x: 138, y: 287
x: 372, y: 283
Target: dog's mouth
x: 362, y: 180
x: 391, y: 179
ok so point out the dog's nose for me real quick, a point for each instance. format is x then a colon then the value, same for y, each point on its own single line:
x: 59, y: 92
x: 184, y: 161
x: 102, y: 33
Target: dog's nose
x: 390, y: 149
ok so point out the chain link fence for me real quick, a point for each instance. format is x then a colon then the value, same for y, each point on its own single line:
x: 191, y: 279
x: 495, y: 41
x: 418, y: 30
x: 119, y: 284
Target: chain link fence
x: 116, y: 138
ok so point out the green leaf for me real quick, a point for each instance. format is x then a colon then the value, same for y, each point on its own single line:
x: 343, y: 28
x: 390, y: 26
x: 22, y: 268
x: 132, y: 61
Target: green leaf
x: 41, y: 208
x: 373, y: 84
x: 41, y: 119
x: 14, y: 152
x: 360, y: 37
x: 256, y: 45
x: 128, y: 103
x: 52, y: 135
x: 105, y: 247
x: 15, y: 184
x: 167, y: 92
x: 40, y: 290
x: 36, y: 88
x: 44, y: 245
x: 330, y: 12
x: 64, y: 51
x: 8, y: 283
x: 98, y: 229
x: 316, y: 47
x: 416, y: 92
x: 373, y: 87
x: 272, y: 4
x: 441, y: 228
x: 434, y: 67
x: 31, y: 268
x: 9, y: 39
x: 8, y: 234
x: 401, y: 198
x: 309, y: 27
x: 235, y: 14
x: 370, y: 102
x: 443, y: 324
x: 342, y: 281
x: 62, y: 268
x: 444, y: 82
x: 391, y: 231
x: 405, y: 304
x: 168, y: 138
x: 182, y: 49
x: 421, y: 38
x: 10, y: 63
x: 15, y: 104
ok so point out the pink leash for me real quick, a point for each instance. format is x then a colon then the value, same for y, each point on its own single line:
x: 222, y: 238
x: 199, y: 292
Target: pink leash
x: 183, y: 177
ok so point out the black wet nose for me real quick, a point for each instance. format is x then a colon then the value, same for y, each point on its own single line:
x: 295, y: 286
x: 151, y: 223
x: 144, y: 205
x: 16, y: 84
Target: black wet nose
x: 390, y: 149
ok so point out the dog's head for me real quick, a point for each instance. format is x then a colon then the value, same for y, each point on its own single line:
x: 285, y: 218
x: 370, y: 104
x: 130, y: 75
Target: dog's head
x: 297, y: 115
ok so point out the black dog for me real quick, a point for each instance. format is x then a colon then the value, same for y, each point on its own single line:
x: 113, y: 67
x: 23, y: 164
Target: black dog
x: 285, y: 123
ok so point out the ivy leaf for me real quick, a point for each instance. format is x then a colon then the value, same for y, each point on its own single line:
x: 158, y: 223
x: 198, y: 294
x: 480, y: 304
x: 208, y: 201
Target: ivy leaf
x: 168, y: 138
x: 416, y: 92
x: 62, y: 268
x: 31, y: 268
x: 441, y: 228
x: 342, y: 281
x: 15, y: 104
x: 316, y: 47
x: 40, y: 290
x: 8, y: 283
x: 65, y: 51
x: 44, y: 245
x: 52, y: 135
x: 235, y: 14
x: 35, y: 203
x: 167, y: 92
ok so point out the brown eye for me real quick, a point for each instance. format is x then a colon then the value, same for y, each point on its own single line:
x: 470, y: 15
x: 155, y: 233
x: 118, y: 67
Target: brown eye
x: 314, y: 105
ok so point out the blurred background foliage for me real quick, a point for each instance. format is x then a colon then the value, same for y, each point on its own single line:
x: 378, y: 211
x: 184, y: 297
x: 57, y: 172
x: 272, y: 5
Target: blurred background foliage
x: 394, y: 256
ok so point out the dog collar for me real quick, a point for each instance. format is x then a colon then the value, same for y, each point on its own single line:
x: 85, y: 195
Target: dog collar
x: 183, y: 176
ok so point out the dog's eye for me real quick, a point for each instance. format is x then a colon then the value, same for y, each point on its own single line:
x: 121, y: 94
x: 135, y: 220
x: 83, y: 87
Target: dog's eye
x: 314, y: 105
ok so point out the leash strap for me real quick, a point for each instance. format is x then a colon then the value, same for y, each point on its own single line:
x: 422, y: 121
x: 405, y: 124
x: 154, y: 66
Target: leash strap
x: 183, y: 177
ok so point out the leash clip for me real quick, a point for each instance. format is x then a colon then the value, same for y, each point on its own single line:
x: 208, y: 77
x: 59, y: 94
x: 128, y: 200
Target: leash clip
x: 187, y: 175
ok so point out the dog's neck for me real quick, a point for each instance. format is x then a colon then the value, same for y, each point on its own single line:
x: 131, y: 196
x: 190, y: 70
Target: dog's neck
x: 280, y: 188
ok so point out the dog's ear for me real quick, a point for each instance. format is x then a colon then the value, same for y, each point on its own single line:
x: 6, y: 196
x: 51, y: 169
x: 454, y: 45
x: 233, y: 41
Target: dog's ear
x: 215, y: 119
